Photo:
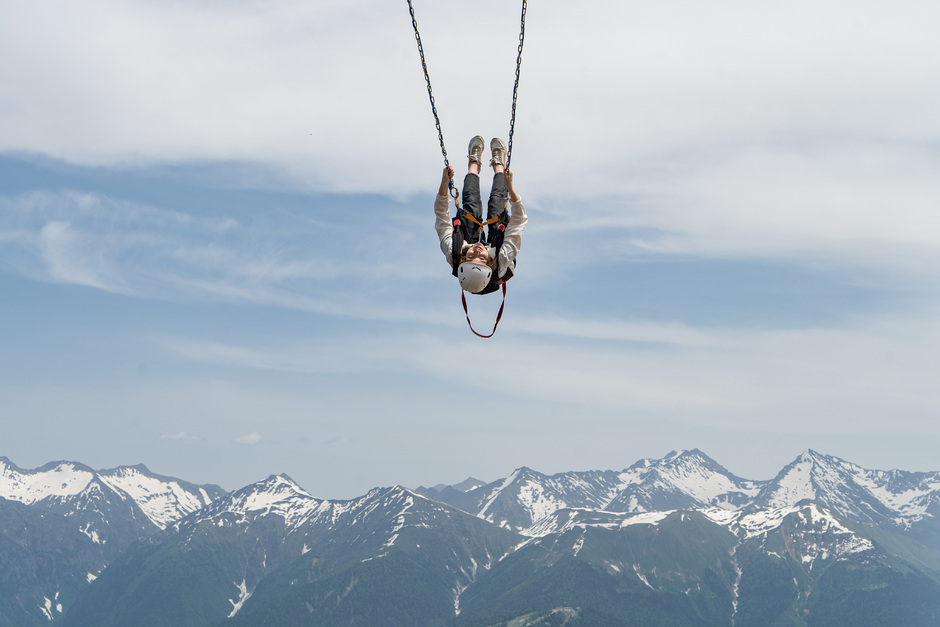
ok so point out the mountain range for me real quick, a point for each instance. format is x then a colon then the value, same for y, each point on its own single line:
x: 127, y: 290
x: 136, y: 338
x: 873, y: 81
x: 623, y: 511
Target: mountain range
x: 62, y: 524
x: 671, y: 541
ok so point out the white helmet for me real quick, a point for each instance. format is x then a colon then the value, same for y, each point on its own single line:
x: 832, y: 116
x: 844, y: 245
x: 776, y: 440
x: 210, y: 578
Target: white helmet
x: 473, y: 277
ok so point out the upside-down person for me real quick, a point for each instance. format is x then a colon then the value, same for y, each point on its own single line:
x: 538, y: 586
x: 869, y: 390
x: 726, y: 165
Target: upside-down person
x: 481, y: 261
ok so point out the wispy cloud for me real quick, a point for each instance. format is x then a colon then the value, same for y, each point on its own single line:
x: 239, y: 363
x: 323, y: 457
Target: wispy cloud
x: 228, y: 164
x: 135, y: 249
x: 249, y: 439
x: 814, y: 148
x: 182, y: 436
x: 792, y: 379
x: 660, y: 82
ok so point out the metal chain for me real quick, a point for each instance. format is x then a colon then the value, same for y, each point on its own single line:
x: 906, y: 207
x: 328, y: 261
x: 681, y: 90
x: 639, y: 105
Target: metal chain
x: 437, y: 120
x: 427, y: 79
x: 515, y: 88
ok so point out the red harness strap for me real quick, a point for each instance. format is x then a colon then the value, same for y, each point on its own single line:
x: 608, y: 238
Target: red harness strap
x: 463, y: 299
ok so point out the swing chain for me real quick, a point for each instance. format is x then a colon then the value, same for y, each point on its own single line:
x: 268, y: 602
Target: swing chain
x: 427, y: 79
x: 515, y: 88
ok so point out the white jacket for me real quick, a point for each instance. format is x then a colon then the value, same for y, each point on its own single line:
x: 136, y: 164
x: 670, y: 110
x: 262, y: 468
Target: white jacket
x: 512, y: 237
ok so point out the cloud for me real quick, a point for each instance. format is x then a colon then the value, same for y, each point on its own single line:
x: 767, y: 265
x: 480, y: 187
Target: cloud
x: 182, y: 436
x: 289, y: 84
x: 866, y: 205
x: 795, y: 135
x: 248, y: 439
x: 815, y: 379
x: 732, y: 132
x: 69, y: 259
x: 127, y: 247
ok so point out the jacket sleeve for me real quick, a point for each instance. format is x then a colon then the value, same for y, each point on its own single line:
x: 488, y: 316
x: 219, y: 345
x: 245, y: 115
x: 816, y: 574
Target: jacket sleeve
x: 443, y: 225
x: 512, y: 238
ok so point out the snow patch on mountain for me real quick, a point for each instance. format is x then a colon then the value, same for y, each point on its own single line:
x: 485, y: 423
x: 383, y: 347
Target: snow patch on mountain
x: 278, y: 495
x: 527, y: 501
x: 243, y: 596
x: 92, y: 534
x: 536, y: 501
x: 163, y: 501
x: 872, y: 496
x: 810, y: 518
x: 910, y: 502
x: 565, y: 520
x: 578, y: 545
x: 399, y: 522
x: 694, y: 474
x: 497, y: 492
x: 683, y: 479
x: 639, y: 573
x: 795, y: 484
x: 645, y: 518
x: 59, y: 480
x: 51, y: 606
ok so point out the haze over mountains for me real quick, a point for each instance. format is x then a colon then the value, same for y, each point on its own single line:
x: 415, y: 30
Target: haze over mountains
x: 677, y: 540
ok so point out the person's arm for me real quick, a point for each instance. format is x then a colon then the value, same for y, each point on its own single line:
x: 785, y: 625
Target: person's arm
x: 507, y: 179
x: 517, y: 217
x: 512, y: 238
x: 442, y: 223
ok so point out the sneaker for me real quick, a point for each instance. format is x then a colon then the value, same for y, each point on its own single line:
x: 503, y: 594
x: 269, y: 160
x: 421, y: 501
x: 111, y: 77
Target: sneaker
x: 475, y: 151
x: 498, y: 150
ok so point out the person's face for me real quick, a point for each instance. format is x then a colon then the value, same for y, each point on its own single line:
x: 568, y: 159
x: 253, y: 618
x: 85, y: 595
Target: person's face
x: 477, y: 254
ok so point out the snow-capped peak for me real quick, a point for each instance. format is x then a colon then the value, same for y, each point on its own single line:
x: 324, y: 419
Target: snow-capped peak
x: 274, y: 492
x: 680, y: 480
x: 162, y: 499
x: 810, y: 520
x: 56, y: 479
x: 57, y: 484
x: 277, y: 495
x: 872, y: 496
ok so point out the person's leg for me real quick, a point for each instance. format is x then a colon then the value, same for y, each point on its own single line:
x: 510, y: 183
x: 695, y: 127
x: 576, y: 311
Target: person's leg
x: 472, y: 201
x: 499, y: 193
x: 496, y: 204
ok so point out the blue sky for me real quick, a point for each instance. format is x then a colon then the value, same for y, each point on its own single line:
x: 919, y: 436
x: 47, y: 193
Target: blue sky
x: 217, y: 252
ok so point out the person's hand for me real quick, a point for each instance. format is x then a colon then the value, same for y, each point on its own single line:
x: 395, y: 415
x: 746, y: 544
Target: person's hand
x: 507, y: 178
x: 447, y: 175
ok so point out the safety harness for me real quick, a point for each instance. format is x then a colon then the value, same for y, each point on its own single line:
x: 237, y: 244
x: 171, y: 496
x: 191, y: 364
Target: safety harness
x: 463, y: 220
x: 469, y: 230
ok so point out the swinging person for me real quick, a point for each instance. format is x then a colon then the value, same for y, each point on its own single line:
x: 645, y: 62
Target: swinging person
x: 481, y: 261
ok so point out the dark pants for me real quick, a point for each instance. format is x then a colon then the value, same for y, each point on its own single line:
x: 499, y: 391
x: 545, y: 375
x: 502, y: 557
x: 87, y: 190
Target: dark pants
x: 473, y: 202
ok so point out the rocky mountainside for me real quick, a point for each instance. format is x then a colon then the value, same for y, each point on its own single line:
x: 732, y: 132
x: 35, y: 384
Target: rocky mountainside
x: 671, y: 541
x: 901, y: 501
x: 684, y: 480
x: 62, y: 524
x: 271, y: 554
x: 907, y: 502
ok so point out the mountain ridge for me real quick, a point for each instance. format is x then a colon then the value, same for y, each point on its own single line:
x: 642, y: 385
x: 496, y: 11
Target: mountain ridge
x: 689, y: 479
x: 674, y: 540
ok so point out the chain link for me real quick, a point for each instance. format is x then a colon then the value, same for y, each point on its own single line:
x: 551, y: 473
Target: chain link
x: 437, y: 119
x: 427, y: 79
x: 515, y: 87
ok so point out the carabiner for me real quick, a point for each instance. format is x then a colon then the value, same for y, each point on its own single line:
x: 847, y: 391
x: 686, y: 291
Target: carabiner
x: 454, y: 194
